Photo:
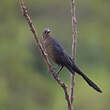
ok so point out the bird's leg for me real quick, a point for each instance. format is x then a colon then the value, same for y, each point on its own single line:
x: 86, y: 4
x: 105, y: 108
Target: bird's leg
x: 57, y: 73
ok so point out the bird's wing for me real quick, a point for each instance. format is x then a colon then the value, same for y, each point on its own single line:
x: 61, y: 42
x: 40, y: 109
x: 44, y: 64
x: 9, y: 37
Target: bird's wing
x: 65, y: 59
x: 58, y: 47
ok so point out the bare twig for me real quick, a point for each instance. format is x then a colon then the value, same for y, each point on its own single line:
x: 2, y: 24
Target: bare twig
x: 32, y: 28
x: 74, y: 35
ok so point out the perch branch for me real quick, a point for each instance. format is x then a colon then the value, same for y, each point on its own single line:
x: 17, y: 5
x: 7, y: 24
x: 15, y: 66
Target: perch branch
x: 32, y: 28
x: 74, y: 36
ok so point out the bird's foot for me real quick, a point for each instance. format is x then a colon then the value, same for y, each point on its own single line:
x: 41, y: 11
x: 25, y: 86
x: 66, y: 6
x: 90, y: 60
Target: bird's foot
x: 57, y: 74
x: 53, y: 68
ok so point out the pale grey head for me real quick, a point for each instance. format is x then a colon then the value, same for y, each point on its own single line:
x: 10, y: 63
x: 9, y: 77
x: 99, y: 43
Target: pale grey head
x: 46, y: 31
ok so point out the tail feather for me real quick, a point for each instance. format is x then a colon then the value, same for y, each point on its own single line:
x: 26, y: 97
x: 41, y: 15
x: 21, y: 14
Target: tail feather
x: 77, y: 70
x: 91, y: 83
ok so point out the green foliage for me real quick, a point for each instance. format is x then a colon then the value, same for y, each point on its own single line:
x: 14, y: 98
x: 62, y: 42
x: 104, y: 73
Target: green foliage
x: 25, y: 83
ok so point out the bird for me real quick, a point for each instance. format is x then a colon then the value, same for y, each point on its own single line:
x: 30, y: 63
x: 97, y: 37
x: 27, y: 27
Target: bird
x: 57, y: 53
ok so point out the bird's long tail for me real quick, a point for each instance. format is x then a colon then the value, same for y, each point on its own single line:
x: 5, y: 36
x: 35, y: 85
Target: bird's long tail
x: 77, y: 70
x: 91, y: 83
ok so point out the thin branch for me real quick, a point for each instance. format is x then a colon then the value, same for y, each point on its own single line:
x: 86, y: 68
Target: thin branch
x: 32, y: 28
x: 74, y: 35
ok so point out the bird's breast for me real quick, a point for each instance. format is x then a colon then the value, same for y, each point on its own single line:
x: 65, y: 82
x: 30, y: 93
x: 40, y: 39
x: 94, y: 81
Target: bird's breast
x: 52, y: 53
x: 54, y: 50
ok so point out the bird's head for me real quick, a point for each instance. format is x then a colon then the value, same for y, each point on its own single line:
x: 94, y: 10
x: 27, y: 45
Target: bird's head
x: 46, y: 33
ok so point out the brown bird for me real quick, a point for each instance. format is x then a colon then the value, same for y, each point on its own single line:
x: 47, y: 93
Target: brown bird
x: 57, y: 53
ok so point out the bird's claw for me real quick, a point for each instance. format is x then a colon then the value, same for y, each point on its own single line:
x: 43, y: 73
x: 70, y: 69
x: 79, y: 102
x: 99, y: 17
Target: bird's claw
x: 52, y: 68
x: 56, y: 75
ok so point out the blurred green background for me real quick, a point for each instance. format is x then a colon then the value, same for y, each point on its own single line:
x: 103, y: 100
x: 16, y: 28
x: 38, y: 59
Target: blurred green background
x: 25, y: 83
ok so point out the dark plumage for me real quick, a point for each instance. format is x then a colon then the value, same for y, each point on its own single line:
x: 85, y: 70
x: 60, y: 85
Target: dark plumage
x: 57, y: 53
